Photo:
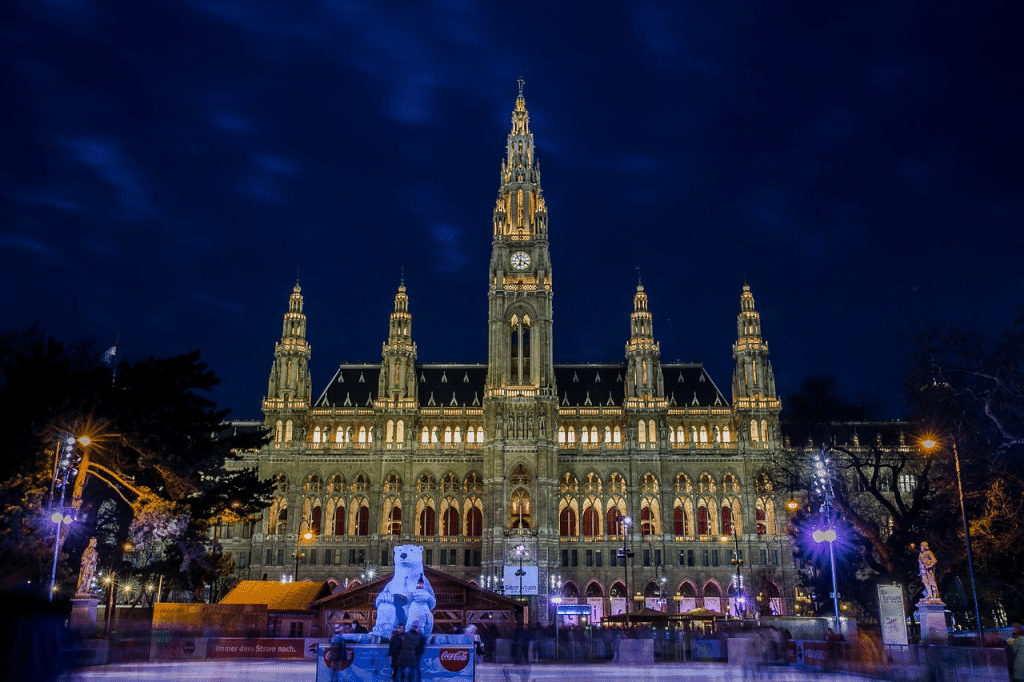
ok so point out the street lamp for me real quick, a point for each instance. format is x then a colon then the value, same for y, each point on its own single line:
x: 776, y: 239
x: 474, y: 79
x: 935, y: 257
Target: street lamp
x: 307, y: 536
x: 625, y: 553
x: 823, y: 480
x: 929, y: 444
x: 64, y: 467
x: 556, y: 600
x: 737, y: 562
x: 520, y: 551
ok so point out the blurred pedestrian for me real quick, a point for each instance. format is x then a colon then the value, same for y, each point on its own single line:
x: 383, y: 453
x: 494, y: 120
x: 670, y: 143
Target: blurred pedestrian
x: 1015, y: 654
x: 395, y: 648
x: 409, y: 656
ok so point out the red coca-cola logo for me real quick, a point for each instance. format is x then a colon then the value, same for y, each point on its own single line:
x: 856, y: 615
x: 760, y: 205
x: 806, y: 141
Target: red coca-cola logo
x: 337, y: 663
x: 453, y: 660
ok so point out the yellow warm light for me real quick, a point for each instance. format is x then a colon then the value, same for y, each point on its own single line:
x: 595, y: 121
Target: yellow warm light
x: 928, y: 443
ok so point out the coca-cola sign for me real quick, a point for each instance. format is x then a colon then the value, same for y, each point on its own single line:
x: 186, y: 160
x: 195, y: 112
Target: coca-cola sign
x: 452, y: 659
x: 334, y: 663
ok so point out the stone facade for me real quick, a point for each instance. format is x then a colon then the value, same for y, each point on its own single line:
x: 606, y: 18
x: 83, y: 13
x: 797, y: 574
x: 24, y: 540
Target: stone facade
x: 475, y: 461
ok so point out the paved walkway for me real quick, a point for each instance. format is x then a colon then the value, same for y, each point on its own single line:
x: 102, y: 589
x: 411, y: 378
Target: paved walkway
x: 304, y: 671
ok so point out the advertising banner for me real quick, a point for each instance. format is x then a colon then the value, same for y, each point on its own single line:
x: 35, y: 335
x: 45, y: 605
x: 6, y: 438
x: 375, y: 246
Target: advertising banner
x: 891, y: 614
x: 370, y: 663
x: 688, y: 604
x: 713, y: 603
x: 596, y: 609
x: 618, y: 605
x: 255, y: 647
x: 512, y: 579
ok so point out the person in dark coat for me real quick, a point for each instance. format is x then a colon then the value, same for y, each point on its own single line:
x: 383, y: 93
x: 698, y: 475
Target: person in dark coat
x: 395, y: 648
x: 413, y: 644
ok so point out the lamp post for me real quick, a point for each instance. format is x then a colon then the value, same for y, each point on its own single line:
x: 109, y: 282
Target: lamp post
x: 929, y: 444
x: 625, y: 553
x: 307, y: 536
x: 737, y: 562
x: 520, y: 551
x: 556, y: 600
x: 823, y: 479
x: 64, y: 467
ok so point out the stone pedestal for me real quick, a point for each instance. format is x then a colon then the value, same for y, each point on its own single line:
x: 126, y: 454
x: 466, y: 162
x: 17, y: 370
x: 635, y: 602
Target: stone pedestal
x: 932, y: 613
x: 83, y: 615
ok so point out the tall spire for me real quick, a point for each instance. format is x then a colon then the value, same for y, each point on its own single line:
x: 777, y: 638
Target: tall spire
x: 398, y: 355
x: 289, y: 377
x: 520, y: 212
x: 753, y: 381
x: 643, y: 355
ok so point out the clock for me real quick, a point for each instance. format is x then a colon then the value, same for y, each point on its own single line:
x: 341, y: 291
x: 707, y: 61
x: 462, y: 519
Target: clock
x: 520, y: 260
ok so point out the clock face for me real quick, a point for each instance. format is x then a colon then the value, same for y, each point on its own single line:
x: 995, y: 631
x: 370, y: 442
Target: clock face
x: 520, y: 260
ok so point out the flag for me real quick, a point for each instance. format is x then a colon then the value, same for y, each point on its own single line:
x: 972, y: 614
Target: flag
x: 110, y: 355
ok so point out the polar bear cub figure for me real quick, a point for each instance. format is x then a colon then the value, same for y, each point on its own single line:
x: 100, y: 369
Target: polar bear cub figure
x: 408, y: 597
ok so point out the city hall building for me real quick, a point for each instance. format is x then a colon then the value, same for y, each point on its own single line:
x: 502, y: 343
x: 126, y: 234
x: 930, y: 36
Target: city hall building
x: 633, y: 483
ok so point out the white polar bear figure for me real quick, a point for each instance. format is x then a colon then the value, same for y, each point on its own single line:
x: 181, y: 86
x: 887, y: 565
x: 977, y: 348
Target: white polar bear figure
x: 408, y: 597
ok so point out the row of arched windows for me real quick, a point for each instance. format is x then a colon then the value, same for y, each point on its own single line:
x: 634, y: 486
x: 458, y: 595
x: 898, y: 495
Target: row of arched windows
x: 448, y: 434
x: 696, y: 510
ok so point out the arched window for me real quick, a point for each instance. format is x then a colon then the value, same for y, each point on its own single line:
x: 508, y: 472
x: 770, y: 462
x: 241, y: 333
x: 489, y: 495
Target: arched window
x: 425, y: 435
x: 591, y: 522
x: 703, y: 434
x: 470, y: 435
x: 764, y: 430
x: 702, y: 520
x: 339, y: 436
x: 450, y: 517
x: 392, y: 517
x: 277, y: 518
x: 567, y: 520
x: 725, y: 435
x: 593, y: 434
x: 572, y: 435
x: 617, y: 435
x: 693, y: 434
x: 389, y: 431
x: 479, y: 434
x: 754, y: 433
x: 288, y: 431
x: 447, y: 434
x: 641, y: 432
x: 474, y: 518
x: 427, y: 525
x: 607, y: 434
x: 648, y: 516
x: 519, y: 350
x: 400, y: 431
x: 561, y: 434
x: 278, y: 431
x: 651, y: 432
x: 336, y: 516
x: 679, y: 520
x: 362, y: 434
x: 362, y: 519
x: 726, y: 520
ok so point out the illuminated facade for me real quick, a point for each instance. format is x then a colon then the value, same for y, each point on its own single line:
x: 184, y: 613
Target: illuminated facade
x: 473, y: 461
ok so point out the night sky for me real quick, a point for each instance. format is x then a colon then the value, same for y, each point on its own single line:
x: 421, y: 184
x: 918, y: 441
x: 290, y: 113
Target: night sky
x: 167, y: 166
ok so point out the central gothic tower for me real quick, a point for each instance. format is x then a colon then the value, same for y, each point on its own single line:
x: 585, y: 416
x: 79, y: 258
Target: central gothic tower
x: 520, y: 403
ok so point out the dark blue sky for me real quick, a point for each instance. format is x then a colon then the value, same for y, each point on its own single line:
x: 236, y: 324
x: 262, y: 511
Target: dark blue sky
x: 166, y: 166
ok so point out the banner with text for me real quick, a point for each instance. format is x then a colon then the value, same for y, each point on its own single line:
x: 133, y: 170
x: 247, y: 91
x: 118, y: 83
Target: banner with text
x: 513, y: 579
x: 891, y: 614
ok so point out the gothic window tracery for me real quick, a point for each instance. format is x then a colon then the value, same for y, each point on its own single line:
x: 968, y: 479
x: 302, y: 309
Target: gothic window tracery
x: 425, y: 517
x: 519, y: 507
x: 474, y: 517
x: 519, y: 350
x: 450, y: 523
x: 391, y: 517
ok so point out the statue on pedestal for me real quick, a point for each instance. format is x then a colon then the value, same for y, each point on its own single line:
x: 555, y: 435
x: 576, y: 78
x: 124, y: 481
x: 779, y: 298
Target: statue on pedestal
x: 926, y: 562
x: 87, y: 569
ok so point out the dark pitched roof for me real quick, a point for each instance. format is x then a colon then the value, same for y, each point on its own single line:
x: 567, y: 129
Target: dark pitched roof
x: 686, y: 385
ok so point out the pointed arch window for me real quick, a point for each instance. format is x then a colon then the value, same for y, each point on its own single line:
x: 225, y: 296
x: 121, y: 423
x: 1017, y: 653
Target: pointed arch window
x: 726, y: 521
x: 474, y: 517
x: 362, y: 434
x: 391, y: 517
x: 450, y: 522
x: 336, y: 516
x: 591, y: 520
x: 679, y: 520
x: 479, y: 434
x: 617, y: 436
x: 339, y: 436
x: 755, y: 435
x: 519, y: 350
x: 389, y: 433
x: 425, y: 435
x: 764, y: 430
x: 279, y: 431
x: 702, y: 520
x: 316, y: 435
x: 651, y: 432
x: 362, y: 518
x: 288, y: 429
x: 567, y: 519
x: 561, y: 434
x: 426, y: 518
x: 726, y: 438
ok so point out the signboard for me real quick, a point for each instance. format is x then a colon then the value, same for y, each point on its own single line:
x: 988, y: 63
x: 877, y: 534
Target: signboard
x: 891, y: 615
x: 255, y: 647
x: 512, y: 580
x: 573, y: 610
x: 618, y: 605
x: 370, y: 663
x: 596, y: 609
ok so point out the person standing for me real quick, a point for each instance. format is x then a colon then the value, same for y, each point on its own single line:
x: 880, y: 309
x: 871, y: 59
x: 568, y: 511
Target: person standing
x: 1016, y: 650
x: 394, y: 649
x: 409, y: 656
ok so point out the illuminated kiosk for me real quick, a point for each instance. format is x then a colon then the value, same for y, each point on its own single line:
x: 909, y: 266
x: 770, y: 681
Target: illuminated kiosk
x: 407, y: 599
